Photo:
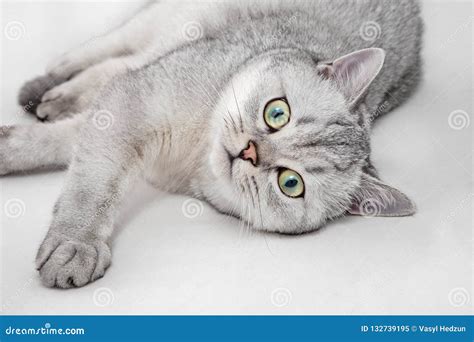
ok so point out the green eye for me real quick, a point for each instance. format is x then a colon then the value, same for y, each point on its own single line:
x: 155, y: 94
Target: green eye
x: 277, y: 113
x: 290, y: 183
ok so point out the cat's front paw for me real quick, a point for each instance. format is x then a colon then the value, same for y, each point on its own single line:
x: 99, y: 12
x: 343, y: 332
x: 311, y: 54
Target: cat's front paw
x: 65, y: 263
x: 60, y: 102
x: 30, y: 94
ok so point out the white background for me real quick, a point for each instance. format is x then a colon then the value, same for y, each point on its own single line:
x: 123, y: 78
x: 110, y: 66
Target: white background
x: 167, y: 263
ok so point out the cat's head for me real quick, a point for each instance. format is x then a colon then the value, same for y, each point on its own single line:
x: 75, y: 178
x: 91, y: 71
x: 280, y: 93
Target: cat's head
x: 291, y: 148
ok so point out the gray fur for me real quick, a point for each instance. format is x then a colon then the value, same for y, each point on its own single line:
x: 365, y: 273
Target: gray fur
x: 180, y: 110
x: 29, y: 96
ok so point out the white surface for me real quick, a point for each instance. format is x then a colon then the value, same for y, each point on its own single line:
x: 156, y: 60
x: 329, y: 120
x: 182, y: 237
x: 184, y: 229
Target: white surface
x: 166, y: 263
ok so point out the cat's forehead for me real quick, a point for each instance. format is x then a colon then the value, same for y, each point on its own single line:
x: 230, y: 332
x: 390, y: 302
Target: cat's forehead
x: 308, y: 94
x: 336, y: 145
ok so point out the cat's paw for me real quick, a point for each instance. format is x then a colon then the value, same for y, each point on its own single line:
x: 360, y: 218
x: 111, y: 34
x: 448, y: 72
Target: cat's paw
x: 71, y: 97
x: 30, y: 94
x: 66, y: 263
x: 60, y: 102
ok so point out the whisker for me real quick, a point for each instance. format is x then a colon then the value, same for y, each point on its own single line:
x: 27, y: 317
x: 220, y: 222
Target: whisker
x: 238, y: 109
x: 233, y: 122
x: 258, y: 200
x: 250, y: 191
x: 242, y: 219
x: 260, y: 211
x: 249, y: 219
x: 226, y: 123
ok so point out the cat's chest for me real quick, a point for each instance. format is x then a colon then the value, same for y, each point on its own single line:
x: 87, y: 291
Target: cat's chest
x: 178, y: 158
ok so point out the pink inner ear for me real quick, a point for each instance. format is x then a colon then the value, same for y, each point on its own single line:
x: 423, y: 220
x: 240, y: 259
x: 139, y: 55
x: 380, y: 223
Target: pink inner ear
x: 354, y: 209
x: 354, y: 72
x: 325, y: 70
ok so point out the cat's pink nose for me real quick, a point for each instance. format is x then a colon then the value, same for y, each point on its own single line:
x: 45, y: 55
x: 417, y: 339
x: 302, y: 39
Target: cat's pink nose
x: 250, y: 153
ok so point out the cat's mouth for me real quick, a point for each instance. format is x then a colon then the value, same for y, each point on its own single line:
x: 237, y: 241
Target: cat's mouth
x: 246, y: 154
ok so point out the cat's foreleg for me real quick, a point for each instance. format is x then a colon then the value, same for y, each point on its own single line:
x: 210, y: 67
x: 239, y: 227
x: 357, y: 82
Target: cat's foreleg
x: 77, y: 95
x: 30, y: 147
x: 132, y: 38
x: 75, y: 250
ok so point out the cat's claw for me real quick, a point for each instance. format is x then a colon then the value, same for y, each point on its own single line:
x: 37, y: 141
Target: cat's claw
x: 66, y: 263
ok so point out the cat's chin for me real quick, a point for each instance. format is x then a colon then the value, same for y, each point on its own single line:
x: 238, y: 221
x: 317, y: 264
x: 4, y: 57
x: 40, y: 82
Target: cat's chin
x: 221, y: 200
x: 217, y: 185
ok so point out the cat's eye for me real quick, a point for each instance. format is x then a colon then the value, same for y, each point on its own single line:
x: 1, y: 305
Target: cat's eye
x: 290, y: 183
x: 277, y: 113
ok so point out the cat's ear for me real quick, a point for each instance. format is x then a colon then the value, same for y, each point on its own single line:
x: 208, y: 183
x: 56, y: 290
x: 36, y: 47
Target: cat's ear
x: 376, y: 198
x: 353, y: 73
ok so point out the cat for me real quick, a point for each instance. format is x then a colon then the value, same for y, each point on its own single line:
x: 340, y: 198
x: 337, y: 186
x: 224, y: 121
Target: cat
x: 263, y: 109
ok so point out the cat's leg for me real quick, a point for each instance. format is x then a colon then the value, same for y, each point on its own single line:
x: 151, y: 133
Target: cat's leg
x: 132, y: 38
x: 25, y: 148
x: 77, y: 94
x: 156, y: 30
x: 76, y: 248
x: 160, y: 26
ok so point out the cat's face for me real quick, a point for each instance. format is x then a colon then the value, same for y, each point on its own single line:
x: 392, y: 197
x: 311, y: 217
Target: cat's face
x: 287, y: 151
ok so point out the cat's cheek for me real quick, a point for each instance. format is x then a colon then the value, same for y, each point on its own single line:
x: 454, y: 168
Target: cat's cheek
x: 219, y: 163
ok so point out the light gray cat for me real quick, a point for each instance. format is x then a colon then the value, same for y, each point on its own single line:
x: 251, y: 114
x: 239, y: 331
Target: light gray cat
x: 261, y: 108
